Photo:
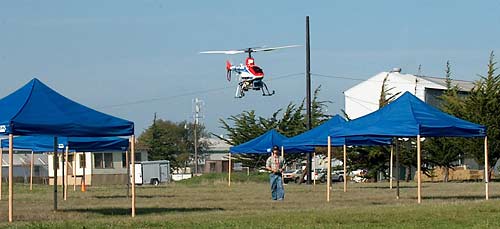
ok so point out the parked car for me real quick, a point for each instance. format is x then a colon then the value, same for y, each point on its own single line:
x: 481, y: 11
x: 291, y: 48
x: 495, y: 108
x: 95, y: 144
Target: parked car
x: 338, y: 176
x: 318, y: 175
x: 292, y: 175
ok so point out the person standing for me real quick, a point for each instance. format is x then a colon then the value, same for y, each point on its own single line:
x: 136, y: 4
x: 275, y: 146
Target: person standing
x: 276, y: 164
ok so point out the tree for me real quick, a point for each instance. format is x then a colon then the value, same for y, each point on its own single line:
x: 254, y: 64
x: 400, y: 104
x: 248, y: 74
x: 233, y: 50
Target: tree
x: 481, y: 106
x: 442, y: 151
x: 289, y: 121
x: 166, y: 140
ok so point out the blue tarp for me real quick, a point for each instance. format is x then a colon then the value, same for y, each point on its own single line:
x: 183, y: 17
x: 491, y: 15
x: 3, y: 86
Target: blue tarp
x: 36, y: 109
x: 78, y: 144
x: 261, y: 144
x: 409, y: 116
x: 318, y: 136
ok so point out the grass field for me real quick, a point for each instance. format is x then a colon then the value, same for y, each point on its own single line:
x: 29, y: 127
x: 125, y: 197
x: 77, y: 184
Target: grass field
x: 210, y: 203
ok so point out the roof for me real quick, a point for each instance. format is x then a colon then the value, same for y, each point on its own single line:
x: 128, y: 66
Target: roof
x: 463, y: 85
x: 36, y: 109
x: 216, y: 144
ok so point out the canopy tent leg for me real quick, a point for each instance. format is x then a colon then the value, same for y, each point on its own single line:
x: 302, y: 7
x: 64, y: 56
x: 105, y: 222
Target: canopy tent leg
x: 31, y: 171
x: 132, y: 157
x: 128, y: 172
x: 56, y: 163
x: 486, y: 169
x: 1, y: 168
x: 74, y: 171
x: 283, y: 157
x: 419, y: 175
x: 11, y: 191
x: 329, y: 170
x: 314, y: 170
x: 397, y: 170
x: 229, y: 172
x: 345, y: 168
x: 390, y: 167
x: 65, y: 166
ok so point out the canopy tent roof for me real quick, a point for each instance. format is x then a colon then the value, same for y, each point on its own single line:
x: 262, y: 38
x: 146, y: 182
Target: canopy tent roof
x: 318, y: 136
x: 261, y: 144
x: 409, y: 116
x: 36, y: 109
x: 79, y: 144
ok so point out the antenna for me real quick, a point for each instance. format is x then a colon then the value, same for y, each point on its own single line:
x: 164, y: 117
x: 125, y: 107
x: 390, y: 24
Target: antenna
x: 197, y: 107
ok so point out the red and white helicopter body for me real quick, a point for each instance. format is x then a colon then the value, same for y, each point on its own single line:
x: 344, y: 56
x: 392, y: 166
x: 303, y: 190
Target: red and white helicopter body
x: 250, y: 76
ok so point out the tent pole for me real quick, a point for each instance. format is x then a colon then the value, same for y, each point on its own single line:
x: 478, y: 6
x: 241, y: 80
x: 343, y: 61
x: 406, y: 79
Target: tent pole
x: 397, y: 170
x: 329, y: 170
x: 63, y: 186
x: 314, y: 170
x: 229, y: 171
x: 132, y: 157
x: 390, y: 167
x: 1, y: 168
x: 486, y: 169
x: 128, y: 172
x: 11, y: 191
x: 55, y: 163
x: 283, y: 157
x: 66, y: 174
x: 31, y: 171
x: 74, y: 171
x: 345, y: 168
x: 419, y: 175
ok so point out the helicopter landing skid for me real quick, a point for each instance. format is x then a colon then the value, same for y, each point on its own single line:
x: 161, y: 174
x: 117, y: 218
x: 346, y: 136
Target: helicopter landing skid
x: 247, y: 85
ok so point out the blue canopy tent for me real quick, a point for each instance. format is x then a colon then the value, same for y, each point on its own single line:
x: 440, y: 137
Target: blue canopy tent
x: 317, y: 136
x: 259, y: 145
x: 408, y: 116
x: 77, y: 144
x: 35, y: 109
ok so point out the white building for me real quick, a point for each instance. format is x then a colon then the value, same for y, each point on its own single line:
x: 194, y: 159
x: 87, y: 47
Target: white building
x: 98, y: 167
x: 363, y: 98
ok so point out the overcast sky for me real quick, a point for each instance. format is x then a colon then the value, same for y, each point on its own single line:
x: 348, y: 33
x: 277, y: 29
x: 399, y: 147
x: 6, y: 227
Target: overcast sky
x: 134, y: 58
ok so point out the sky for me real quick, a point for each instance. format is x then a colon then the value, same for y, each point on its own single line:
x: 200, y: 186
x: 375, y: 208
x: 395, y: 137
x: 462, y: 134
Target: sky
x: 132, y: 59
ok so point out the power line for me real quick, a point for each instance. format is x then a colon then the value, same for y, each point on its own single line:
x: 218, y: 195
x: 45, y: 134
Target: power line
x: 190, y: 93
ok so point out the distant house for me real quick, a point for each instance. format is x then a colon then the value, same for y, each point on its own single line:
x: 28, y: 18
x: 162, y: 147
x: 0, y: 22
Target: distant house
x: 363, y: 98
x: 99, y: 167
x: 22, y: 169
x: 216, y: 160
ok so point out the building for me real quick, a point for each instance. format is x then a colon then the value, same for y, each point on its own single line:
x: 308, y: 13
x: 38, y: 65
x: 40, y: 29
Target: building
x: 216, y: 159
x: 22, y: 167
x: 97, y: 167
x: 363, y: 98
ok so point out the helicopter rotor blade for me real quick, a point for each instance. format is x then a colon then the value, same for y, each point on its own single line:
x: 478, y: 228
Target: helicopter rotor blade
x: 274, y: 48
x: 230, y: 52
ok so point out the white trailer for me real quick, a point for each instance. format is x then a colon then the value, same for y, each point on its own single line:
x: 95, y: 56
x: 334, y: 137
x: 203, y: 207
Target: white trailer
x: 152, y: 172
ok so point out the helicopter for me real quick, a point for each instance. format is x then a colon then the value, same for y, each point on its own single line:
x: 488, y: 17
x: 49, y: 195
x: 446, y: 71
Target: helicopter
x: 250, y: 76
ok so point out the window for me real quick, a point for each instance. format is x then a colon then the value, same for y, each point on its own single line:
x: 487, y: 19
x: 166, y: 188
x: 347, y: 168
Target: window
x: 124, y: 159
x: 103, y: 160
x: 83, y: 163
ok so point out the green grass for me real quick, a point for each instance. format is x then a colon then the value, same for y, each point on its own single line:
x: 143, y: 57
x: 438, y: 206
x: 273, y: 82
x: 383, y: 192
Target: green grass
x: 207, y: 202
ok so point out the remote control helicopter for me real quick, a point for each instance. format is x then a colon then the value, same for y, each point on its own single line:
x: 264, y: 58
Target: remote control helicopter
x: 250, y: 76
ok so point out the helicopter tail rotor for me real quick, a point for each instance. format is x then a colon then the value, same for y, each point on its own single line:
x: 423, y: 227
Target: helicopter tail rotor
x: 228, y: 70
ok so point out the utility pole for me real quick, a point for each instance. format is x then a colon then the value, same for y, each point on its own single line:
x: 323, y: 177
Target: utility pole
x: 197, y: 115
x: 308, y: 96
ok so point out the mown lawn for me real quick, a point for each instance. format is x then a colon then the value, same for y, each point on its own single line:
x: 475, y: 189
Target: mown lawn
x: 210, y: 203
